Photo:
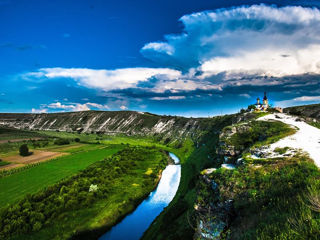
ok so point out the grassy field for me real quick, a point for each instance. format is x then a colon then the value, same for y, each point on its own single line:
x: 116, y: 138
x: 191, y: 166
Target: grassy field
x: 31, y: 180
x: 68, y: 208
x: 12, y: 134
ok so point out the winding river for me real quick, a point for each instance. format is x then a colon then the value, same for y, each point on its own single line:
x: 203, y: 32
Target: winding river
x: 135, y: 224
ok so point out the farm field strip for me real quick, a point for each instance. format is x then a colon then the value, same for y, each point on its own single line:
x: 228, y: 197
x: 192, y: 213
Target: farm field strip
x: 31, y: 180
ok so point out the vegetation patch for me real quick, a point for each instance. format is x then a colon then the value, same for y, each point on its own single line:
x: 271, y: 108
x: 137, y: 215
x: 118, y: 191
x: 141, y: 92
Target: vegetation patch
x: 49, y: 212
x: 273, y: 201
x: 3, y: 163
x: 260, y: 133
x: 16, y: 183
x: 61, y: 141
x: 281, y: 150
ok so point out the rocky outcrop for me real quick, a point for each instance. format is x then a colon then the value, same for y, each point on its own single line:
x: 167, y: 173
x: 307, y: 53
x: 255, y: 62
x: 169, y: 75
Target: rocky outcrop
x: 213, y: 216
x: 309, y: 112
x: 226, y: 149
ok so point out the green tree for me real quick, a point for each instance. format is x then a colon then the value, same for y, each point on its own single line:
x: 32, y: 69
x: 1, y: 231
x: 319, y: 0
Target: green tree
x: 24, y: 150
x: 251, y: 107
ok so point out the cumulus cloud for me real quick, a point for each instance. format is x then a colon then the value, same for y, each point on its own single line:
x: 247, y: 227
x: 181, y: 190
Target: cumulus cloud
x: 298, y: 101
x: 34, y: 110
x: 257, y: 39
x: 106, y: 79
x: 75, y: 107
x: 168, y: 98
x: 239, y: 50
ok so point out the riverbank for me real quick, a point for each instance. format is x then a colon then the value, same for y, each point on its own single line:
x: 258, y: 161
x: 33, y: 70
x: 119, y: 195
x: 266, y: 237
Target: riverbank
x: 133, y: 225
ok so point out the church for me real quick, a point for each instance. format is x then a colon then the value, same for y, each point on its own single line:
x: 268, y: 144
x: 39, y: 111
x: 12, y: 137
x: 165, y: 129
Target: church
x: 262, y: 106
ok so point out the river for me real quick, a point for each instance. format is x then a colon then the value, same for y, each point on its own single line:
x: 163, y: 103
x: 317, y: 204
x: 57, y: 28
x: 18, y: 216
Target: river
x: 135, y: 224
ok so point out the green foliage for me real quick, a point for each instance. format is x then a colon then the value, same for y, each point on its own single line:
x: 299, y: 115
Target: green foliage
x: 281, y: 150
x: 3, y: 163
x: 24, y: 150
x: 50, y: 207
x: 77, y: 139
x: 271, y: 201
x: 61, y: 141
x: 260, y: 133
x: 251, y: 107
x: 12, y: 134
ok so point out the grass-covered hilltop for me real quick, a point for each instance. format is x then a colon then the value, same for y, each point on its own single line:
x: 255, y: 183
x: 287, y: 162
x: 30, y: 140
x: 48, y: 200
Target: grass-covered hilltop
x: 86, y: 171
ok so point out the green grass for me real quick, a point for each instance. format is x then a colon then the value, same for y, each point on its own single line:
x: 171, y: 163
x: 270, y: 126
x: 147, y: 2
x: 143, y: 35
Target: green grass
x: 281, y: 150
x: 3, y: 163
x: 260, y: 133
x: 31, y: 180
x: 271, y: 202
x: 68, y: 208
x: 183, y: 152
x: 11, y: 134
x: 84, y: 137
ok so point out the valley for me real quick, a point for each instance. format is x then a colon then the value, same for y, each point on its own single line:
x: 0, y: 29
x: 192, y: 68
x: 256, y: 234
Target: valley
x: 230, y: 140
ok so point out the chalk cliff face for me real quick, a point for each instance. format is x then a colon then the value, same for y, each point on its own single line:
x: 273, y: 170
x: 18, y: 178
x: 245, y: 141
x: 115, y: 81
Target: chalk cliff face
x: 109, y: 122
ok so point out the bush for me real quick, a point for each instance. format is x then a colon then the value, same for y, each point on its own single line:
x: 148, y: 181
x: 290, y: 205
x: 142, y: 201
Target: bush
x: 61, y: 141
x: 77, y: 139
x: 24, y: 150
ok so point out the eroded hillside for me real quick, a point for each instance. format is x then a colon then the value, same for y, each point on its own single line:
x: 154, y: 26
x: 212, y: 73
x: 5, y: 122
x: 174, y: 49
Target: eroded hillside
x: 310, y: 111
x: 110, y: 122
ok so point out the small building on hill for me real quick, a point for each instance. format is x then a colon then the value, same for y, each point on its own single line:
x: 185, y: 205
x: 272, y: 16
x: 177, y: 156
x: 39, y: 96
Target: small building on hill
x: 262, y: 106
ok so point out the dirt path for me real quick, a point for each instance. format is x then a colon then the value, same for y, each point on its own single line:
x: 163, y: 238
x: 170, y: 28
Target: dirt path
x: 37, y: 156
x: 306, y: 138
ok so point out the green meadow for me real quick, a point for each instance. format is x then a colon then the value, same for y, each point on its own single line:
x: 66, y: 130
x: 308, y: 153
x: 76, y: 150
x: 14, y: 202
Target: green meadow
x: 33, y: 179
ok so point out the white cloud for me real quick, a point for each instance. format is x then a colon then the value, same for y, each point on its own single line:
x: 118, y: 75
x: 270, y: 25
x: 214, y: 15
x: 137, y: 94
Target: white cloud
x: 71, y: 107
x: 257, y: 45
x: 34, y: 110
x: 245, y: 95
x: 123, y: 107
x: 159, y: 47
x: 299, y: 101
x: 307, y: 98
x: 168, y: 98
x: 107, y: 79
x: 58, y: 105
x: 258, y: 39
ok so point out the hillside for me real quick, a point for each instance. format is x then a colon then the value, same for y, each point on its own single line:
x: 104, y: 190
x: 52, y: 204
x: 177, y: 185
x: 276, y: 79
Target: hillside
x: 107, y: 122
x: 310, y: 111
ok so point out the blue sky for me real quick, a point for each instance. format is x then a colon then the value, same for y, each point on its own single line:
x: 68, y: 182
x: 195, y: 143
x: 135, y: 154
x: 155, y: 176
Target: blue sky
x: 192, y: 58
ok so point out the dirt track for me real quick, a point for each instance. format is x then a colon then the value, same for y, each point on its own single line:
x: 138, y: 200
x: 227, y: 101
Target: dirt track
x: 37, y: 156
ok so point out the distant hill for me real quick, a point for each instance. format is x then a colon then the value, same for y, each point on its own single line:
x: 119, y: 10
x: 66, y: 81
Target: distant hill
x: 109, y: 122
x: 310, y: 111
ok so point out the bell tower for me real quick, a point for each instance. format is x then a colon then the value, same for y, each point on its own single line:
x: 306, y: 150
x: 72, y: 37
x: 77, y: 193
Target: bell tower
x: 265, y: 100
